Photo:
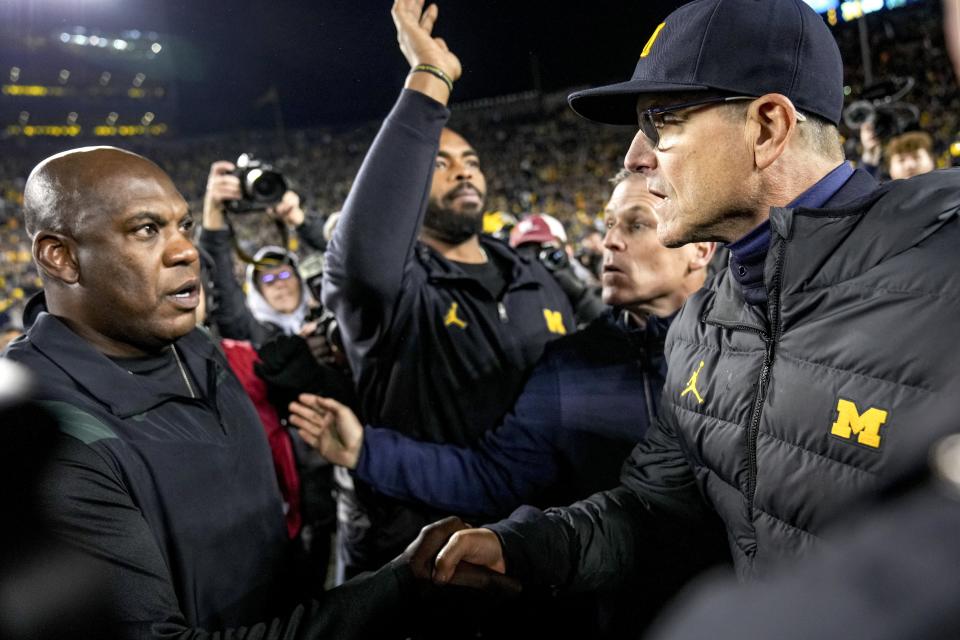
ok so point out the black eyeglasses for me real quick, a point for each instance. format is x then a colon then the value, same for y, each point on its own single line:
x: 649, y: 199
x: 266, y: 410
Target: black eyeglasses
x: 270, y: 278
x: 651, y: 120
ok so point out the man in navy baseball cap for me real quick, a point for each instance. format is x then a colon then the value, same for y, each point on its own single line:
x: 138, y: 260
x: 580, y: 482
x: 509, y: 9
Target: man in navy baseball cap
x: 789, y: 390
x: 740, y: 47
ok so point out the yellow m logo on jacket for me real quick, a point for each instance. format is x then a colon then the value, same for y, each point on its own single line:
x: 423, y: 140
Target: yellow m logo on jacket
x: 554, y: 322
x: 865, y: 426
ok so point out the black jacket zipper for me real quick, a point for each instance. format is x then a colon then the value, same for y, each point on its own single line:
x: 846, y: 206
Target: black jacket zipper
x: 770, y: 341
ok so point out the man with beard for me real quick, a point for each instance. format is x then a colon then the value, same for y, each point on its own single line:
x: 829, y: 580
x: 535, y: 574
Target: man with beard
x: 439, y: 323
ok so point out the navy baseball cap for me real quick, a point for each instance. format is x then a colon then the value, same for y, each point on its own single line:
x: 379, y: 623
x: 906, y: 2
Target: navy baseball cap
x: 744, y: 47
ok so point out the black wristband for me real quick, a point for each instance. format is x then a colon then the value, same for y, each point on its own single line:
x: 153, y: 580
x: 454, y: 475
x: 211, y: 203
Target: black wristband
x: 434, y: 71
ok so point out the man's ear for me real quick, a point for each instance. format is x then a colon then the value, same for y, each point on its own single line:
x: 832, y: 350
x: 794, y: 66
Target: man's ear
x: 774, y: 122
x: 701, y: 255
x: 56, y: 254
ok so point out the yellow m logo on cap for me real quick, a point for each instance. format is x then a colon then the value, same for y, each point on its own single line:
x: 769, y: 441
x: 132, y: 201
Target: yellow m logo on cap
x: 865, y: 426
x: 653, y: 38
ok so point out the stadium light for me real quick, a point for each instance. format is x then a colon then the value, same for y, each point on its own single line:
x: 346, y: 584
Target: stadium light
x: 155, y: 47
x: 64, y: 38
x: 119, y: 45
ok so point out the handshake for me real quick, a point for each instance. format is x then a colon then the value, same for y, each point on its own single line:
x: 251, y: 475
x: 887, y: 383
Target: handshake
x: 446, y: 552
x: 449, y: 552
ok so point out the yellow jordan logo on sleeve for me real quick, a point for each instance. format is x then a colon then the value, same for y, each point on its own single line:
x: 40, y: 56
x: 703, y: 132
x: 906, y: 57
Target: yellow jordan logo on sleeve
x: 653, y: 38
x: 554, y: 322
x: 452, y: 319
x: 866, y: 425
x: 692, y: 385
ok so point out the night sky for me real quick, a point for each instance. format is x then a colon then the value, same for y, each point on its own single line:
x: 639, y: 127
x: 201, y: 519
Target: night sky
x: 337, y: 61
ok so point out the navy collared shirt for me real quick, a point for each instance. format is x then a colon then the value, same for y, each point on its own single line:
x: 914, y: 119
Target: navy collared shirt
x: 749, y: 253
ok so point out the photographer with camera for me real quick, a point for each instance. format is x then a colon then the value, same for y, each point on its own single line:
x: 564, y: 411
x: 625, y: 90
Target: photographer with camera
x: 891, y: 145
x: 277, y: 300
x: 293, y: 337
x: 541, y: 237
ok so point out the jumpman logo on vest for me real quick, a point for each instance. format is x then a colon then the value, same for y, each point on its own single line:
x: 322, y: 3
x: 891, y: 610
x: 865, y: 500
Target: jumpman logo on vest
x: 452, y: 319
x: 692, y: 385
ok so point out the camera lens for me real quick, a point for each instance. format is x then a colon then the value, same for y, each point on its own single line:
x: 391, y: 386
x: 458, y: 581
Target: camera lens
x: 265, y: 186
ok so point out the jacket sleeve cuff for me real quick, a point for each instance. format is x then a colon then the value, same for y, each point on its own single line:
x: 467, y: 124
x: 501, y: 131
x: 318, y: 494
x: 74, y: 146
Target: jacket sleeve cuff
x: 522, y: 537
x: 363, y: 468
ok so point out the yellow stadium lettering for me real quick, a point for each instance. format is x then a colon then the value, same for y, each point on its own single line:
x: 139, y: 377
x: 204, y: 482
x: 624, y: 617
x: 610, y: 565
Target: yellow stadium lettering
x: 865, y: 426
x: 653, y: 38
x: 554, y: 322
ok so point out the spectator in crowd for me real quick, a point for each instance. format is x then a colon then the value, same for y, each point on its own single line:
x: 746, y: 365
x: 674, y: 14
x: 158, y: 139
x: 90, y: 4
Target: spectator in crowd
x: 785, y: 399
x: 588, y: 401
x: 162, y: 475
x: 590, y: 252
x: 910, y: 154
x: 276, y: 300
x: 543, y: 238
x: 439, y: 323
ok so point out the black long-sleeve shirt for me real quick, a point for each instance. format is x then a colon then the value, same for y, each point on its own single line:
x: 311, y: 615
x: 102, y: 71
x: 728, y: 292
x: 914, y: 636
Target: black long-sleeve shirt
x: 434, y: 353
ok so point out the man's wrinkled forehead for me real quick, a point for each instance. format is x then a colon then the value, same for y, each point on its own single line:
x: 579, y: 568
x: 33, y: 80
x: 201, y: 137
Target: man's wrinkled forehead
x: 632, y: 197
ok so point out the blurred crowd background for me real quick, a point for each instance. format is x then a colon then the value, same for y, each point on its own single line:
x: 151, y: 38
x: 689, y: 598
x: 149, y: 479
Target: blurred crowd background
x: 538, y: 156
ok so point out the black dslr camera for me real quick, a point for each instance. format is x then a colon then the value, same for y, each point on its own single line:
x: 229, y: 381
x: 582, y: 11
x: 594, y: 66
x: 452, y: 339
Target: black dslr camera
x: 260, y: 184
x: 882, y: 104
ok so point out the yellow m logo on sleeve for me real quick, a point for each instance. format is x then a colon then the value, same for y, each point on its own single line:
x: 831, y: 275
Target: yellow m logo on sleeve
x: 865, y: 426
x: 554, y: 322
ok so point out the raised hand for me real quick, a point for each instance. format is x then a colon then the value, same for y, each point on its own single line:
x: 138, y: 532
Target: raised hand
x: 221, y: 185
x: 288, y: 209
x: 329, y: 427
x: 414, y: 33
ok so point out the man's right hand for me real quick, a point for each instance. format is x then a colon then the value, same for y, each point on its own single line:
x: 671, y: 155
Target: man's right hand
x: 414, y: 33
x: 466, y: 552
x: 467, y: 557
x: 221, y: 185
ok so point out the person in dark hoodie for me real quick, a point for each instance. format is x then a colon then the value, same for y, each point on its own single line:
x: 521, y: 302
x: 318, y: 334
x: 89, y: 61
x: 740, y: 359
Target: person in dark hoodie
x: 799, y: 373
x: 440, y: 323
